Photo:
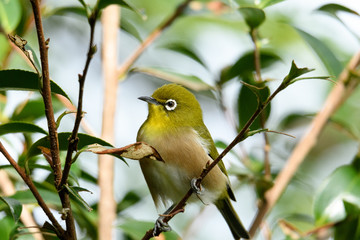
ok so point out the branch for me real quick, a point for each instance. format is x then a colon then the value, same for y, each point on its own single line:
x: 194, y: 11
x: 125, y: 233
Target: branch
x: 107, y: 205
x: 46, y: 93
x: 121, y: 72
x: 33, y: 189
x: 342, y: 90
x: 73, y: 140
x: 240, y: 137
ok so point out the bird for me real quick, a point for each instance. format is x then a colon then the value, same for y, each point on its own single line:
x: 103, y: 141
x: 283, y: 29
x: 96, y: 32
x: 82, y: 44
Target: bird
x: 175, y: 128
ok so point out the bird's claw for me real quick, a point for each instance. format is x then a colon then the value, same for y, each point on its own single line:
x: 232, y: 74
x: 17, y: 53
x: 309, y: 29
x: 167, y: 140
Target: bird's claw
x: 197, y: 189
x: 161, y: 226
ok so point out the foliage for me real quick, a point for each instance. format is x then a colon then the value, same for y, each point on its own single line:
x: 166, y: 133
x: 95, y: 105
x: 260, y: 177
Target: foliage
x: 177, y: 31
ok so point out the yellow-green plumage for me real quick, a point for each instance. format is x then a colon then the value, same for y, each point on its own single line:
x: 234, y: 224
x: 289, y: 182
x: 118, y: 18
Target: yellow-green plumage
x: 175, y: 128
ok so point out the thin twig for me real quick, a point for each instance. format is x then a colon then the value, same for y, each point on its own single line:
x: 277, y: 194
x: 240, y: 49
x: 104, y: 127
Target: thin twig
x: 107, y: 205
x: 342, y: 90
x: 73, y: 140
x: 240, y: 137
x: 33, y: 189
x: 46, y: 93
x: 121, y: 72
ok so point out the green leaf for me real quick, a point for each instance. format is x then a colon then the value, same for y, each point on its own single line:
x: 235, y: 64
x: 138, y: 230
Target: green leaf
x: 26, y: 196
x: 350, y: 227
x: 66, y: 10
x: 294, y: 73
x: 84, y: 140
x: 10, y: 14
x: 30, y: 110
x: 16, y: 79
x: 342, y: 185
x: 130, y: 199
x: 185, y: 50
x: 248, y: 100
x: 328, y: 58
x: 333, y: 9
x: 20, y: 127
x: 191, y: 82
x: 101, y: 4
x: 136, y: 230
x: 74, y: 194
x: 6, y: 226
x: 267, y: 3
x: 254, y: 17
x: 128, y: 27
x: 245, y: 65
x: 14, y: 205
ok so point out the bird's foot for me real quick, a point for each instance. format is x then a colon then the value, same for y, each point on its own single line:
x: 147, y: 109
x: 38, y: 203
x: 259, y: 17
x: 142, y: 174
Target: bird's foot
x: 161, y: 226
x: 195, y: 186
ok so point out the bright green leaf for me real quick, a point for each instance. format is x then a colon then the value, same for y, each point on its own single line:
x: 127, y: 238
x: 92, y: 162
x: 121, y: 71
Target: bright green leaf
x: 191, y: 82
x: 20, y: 127
x: 84, y: 140
x: 254, y: 17
x: 10, y: 14
x: 136, y: 230
x: 342, y: 185
x: 16, y: 79
x: 326, y: 55
x: 267, y: 3
x: 294, y: 73
x: 14, y: 205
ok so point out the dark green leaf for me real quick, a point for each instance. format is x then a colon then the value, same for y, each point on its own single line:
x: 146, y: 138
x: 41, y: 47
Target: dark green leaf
x: 191, y: 82
x: 245, y: 65
x: 328, y: 58
x: 84, y: 140
x: 14, y: 205
x: 254, y: 17
x: 294, y: 73
x: 136, y: 229
x: 333, y: 9
x: 349, y: 228
x: 342, y: 185
x: 74, y: 194
x: 248, y: 101
x: 185, y: 50
x: 129, y: 200
x: 20, y: 127
x: 15, y: 79
x: 30, y: 110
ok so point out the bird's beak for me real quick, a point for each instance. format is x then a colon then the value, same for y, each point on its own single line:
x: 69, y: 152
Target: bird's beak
x: 149, y: 100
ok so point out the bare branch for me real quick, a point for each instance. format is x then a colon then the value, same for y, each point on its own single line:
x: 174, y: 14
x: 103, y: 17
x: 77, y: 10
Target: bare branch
x: 33, y: 189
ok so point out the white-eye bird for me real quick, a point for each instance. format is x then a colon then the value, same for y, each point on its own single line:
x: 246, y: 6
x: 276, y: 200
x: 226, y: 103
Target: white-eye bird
x: 175, y: 128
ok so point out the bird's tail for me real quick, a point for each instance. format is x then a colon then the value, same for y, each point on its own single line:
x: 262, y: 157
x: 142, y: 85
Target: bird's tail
x: 231, y: 218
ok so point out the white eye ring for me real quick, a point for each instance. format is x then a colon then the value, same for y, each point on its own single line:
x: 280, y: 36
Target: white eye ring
x: 170, y: 104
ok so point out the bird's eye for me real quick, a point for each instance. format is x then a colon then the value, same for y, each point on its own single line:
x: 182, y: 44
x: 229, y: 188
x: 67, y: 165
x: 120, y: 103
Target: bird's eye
x: 170, y: 105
